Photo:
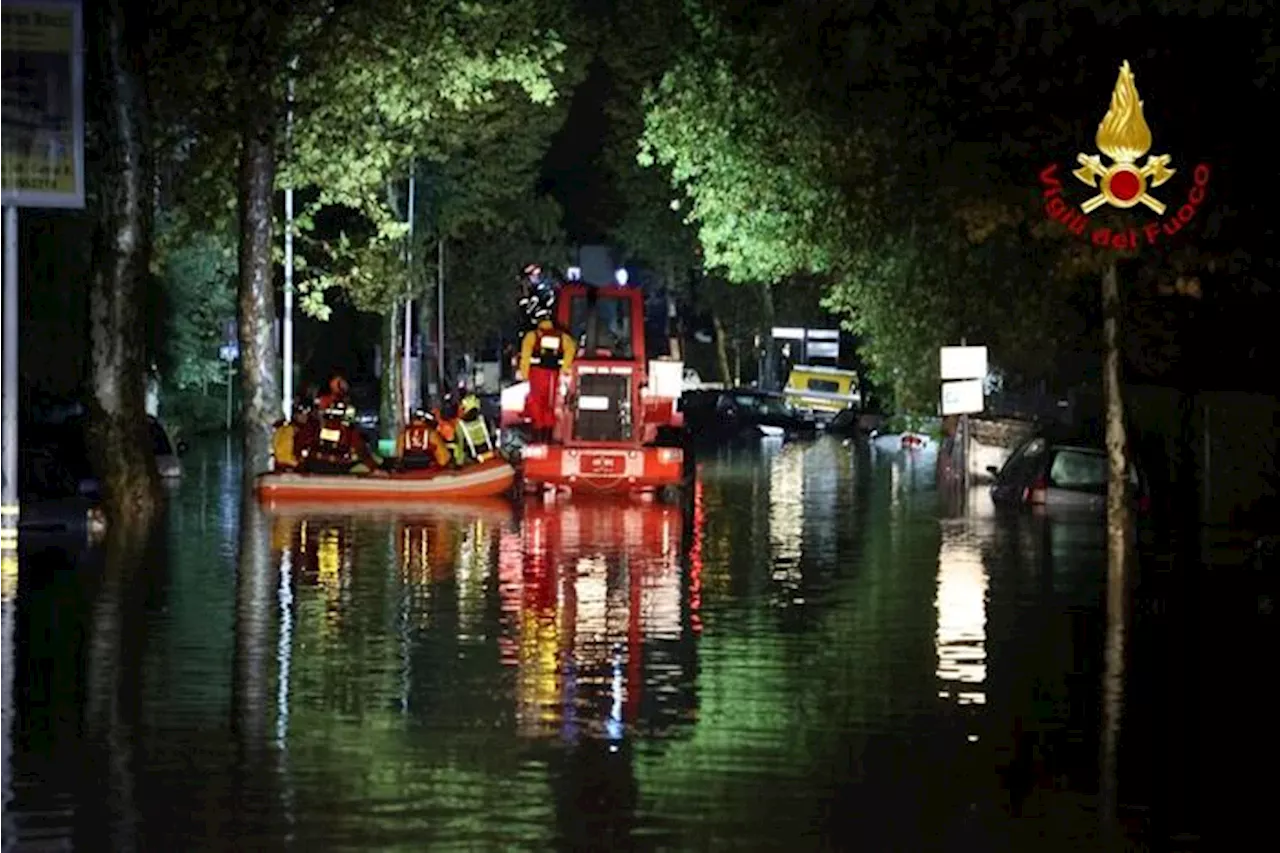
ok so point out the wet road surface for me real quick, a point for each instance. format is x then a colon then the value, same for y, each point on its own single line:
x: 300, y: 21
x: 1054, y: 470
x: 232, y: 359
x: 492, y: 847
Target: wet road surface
x: 818, y: 651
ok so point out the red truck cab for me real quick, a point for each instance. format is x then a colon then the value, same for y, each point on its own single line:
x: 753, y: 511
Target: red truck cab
x: 617, y: 404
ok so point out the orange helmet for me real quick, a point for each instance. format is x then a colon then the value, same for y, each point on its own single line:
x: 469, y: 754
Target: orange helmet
x: 338, y: 385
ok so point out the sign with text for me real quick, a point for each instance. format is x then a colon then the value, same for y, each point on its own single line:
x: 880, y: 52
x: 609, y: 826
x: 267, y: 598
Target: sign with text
x: 962, y: 398
x: 964, y: 363
x: 1123, y: 184
x: 43, y: 115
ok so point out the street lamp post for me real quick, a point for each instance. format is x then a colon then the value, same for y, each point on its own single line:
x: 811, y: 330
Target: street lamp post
x: 286, y: 401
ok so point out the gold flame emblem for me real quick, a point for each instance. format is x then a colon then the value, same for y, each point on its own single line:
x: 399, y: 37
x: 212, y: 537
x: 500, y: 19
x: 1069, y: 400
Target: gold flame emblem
x: 1123, y: 136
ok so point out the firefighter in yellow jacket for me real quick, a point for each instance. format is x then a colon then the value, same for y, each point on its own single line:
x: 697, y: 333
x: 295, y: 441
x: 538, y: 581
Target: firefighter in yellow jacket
x: 474, y: 430
x: 546, y: 353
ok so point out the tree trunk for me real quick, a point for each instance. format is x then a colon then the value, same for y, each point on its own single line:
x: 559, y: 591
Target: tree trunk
x: 390, y: 399
x: 254, y: 676
x: 769, y: 381
x: 722, y: 349
x: 1118, y: 551
x: 118, y: 288
x: 1118, y: 512
x: 427, y: 369
x: 256, y: 308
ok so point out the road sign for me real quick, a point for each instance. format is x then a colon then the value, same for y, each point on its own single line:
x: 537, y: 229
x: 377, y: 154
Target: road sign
x: 229, y: 352
x: 962, y: 398
x: 43, y: 163
x: 964, y: 363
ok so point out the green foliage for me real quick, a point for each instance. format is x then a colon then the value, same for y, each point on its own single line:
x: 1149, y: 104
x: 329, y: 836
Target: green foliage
x: 481, y: 266
x: 643, y: 42
x: 831, y: 166
x: 376, y: 83
x: 196, y: 272
x: 397, y: 81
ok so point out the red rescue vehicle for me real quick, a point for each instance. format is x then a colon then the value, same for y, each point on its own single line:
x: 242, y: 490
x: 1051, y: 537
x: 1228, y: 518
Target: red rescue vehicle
x: 616, y: 406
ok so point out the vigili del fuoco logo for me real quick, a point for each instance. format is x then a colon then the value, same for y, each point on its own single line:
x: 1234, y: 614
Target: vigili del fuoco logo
x: 1123, y: 136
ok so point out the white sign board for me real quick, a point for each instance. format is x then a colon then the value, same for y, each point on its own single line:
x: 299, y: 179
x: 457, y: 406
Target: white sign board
x: 964, y: 363
x: 962, y: 398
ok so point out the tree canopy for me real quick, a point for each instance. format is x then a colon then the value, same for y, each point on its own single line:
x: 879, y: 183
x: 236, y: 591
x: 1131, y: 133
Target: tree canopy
x: 891, y: 150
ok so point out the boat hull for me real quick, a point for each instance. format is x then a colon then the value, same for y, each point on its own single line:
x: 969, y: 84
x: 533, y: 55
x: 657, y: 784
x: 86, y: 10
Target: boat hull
x: 484, y: 480
x: 601, y: 469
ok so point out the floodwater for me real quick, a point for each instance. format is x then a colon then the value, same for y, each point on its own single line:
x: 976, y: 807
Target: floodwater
x: 819, y: 651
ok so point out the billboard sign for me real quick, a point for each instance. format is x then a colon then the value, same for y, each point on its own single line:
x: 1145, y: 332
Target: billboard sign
x: 43, y: 115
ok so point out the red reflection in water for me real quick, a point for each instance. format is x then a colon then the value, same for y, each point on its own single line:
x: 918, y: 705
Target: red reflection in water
x: 695, y: 556
x: 586, y: 579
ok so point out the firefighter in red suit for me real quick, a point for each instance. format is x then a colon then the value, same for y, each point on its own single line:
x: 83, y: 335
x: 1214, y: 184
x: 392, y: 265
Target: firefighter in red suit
x: 339, y: 388
x: 546, y: 354
x: 337, y: 447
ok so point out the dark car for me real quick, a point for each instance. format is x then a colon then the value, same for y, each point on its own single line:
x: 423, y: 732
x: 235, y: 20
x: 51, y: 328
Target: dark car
x: 1061, y: 472
x: 726, y: 414
x: 68, y: 442
x: 50, y: 497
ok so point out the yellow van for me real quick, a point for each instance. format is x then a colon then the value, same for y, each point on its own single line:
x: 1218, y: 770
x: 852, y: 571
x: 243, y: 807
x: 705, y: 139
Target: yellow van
x: 823, y: 391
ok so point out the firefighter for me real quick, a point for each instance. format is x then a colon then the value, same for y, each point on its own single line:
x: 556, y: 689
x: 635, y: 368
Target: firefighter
x: 339, y: 388
x: 339, y: 448
x: 291, y: 440
x: 546, y: 354
x: 474, y: 430
x: 420, y: 445
x: 447, y: 427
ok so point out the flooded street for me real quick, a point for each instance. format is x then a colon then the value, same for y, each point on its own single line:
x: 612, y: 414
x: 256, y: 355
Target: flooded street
x: 818, y: 651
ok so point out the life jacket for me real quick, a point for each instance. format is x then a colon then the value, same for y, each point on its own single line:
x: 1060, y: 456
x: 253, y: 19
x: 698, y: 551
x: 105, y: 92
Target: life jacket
x: 334, y: 442
x: 417, y: 439
x: 445, y: 426
x: 284, y: 449
x: 548, y: 351
x: 475, y: 433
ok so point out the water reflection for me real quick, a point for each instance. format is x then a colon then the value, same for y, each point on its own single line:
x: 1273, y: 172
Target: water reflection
x: 786, y: 521
x: 594, y: 612
x: 962, y: 616
x: 596, y: 675
x: 8, y: 608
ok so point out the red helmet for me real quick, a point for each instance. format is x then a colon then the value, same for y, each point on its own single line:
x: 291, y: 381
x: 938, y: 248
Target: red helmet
x: 338, y: 385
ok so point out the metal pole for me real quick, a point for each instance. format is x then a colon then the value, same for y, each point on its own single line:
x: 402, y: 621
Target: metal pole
x: 230, y: 377
x: 9, y: 350
x: 440, y: 314
x: 9, y: 527
x: 287, y: 396
x: 408, y: 304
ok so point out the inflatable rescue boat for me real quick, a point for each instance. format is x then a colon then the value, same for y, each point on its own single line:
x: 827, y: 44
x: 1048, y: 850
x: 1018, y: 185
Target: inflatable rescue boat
x: 482, y: 480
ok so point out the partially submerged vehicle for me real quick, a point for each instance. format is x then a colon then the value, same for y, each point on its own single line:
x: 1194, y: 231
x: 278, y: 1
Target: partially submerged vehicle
x: 1063, y: 471
x: 480, y: 480
x: 822, y: 392
x: 616, y: 425
x: 721, y: 415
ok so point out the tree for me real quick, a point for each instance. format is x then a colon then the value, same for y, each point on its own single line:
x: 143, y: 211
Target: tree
x: 196, y: 273
x: 374, y: 79
x: 118, y: 287
x: 483, y: 262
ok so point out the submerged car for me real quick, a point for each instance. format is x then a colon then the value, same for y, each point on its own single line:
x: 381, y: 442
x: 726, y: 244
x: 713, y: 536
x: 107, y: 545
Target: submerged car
x: 68, y: 442
x: 726, y: 414
x: 1067, y: 472
x: 50, y: 500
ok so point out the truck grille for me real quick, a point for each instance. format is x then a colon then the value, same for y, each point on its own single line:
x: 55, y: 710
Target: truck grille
x: 608, y: 423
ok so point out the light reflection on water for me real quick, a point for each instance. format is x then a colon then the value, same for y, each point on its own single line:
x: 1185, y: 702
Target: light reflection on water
x: 590, y: 674
x: 962, y: 616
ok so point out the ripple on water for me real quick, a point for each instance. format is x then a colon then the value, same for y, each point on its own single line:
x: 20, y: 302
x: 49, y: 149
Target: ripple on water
x: 815, y: 653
